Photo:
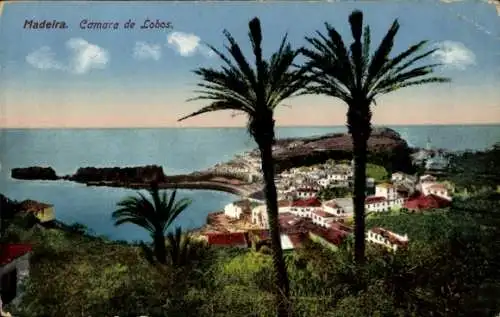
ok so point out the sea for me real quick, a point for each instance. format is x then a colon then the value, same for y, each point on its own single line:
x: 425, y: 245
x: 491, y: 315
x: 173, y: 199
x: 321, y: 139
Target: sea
x: 178, y: 150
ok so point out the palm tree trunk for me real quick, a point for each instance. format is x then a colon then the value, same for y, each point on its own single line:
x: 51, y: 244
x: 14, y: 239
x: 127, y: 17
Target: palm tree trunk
x: 160, y: 248
x: 360, y: 157
x: 281, y: 276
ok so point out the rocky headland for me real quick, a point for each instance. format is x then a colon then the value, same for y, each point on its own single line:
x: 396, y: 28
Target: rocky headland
x: 385, y: 146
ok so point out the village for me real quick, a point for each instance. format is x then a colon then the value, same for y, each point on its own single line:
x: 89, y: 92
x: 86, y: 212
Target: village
x: 305, y: 213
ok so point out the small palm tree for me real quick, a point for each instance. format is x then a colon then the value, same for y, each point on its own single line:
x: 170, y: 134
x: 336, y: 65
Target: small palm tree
x: 181, y: 247
x: 155, y: 215
x: 357, y: 77
x: 256, y: 92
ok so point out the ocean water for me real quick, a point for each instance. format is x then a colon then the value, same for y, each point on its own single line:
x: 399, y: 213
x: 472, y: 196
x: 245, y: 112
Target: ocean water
x: 177, y: 150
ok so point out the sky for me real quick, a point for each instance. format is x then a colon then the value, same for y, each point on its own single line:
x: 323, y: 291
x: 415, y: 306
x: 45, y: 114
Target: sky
x: 78, y: 77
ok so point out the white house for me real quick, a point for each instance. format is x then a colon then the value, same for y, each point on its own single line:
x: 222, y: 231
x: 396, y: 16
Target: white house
x: 304, y: 207
x: 306, y: 193
x: 386, y: 190
x: 377, y: 204
x: 322, y: 218
x: 387, y: 238
x: 436, y: 189
x: 332, y: 207
x: 398, y: 176
x: 14, y: 269
x: 236, y: 209
x: 346, y: 204
x: 259, y: 213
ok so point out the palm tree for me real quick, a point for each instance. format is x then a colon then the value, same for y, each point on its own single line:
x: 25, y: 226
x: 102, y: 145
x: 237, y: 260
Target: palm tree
x: 357, y: 77
x: 256, y: 91
x: 155, y: 215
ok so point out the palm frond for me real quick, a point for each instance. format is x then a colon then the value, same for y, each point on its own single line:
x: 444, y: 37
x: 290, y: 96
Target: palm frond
x: 215, y: 106
x: 414, y: 83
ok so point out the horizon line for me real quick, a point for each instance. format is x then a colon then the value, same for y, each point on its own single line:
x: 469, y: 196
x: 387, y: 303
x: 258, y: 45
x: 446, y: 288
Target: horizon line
x: 244, y: 127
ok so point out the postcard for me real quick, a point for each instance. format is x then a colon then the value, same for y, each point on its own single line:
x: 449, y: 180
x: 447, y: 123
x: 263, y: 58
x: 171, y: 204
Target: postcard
x: 249, y: 158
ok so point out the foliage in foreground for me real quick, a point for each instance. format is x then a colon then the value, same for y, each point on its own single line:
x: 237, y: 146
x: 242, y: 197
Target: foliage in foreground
x: 450, y: 269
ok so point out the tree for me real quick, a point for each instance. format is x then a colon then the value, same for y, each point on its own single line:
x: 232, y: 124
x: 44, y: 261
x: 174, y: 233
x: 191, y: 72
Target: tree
x: 155, y: 215
x: 256, y: 91
x: 357, y: 78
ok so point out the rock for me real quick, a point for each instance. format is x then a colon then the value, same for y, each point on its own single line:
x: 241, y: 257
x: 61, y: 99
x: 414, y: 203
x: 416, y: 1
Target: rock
x: 136, y: 174
x: 34, y: 172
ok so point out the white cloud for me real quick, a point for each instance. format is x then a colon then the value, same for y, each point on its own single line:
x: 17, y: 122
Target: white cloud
x: 44, y: 58
x: 84, y: 57
x: 187, y: 44
x: 143, y: 51
x: 454, y: 55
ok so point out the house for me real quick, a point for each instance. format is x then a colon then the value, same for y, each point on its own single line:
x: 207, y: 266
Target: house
x: 227, y: 239
x: 377, y: 204
x: 422, y: 202
x: 14, y: 269
x: 236, y: 209
x: 306, y: 193
x: 44, y: 212
x: 386, y: 190
x: 332, y: 207
x: 322, y: 218
x: 437, y: 163
x: 292, y: 241
x: 387, y: 238
x: 259, y: 213
x: 304, y: 207
x: 346, y: 204
x: 398, y: 176
x: 436, y: 189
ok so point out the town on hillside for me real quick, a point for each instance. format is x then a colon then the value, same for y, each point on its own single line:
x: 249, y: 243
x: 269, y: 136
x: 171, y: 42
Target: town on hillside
x: 315, y: 202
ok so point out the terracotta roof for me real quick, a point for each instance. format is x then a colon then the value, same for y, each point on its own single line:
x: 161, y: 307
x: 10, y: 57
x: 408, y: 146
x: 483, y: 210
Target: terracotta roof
x: 10, y: 252
x: 297, y: 238
x: 323, y: 214
x: 312, y: 202
x: 426, y: 202
x: 374, y: 199
x: 33, y: 205
x: 333, y: 236
x: 227, y: 239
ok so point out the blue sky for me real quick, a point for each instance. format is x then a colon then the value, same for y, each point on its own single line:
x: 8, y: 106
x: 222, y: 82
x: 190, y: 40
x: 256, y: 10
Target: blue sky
x: 76, y: 77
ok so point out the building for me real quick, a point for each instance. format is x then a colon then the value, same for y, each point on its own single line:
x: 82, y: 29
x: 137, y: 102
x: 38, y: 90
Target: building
x: 306, y: 192
x: 436, y: 189
x: 427, y: 179
x: 329, y: 237
x: 377, y: 204
x: 322, y: 218
x: 236, y: 209
x: 386, y: 190
x: 228, y: 239
x: 387, y: 238
x: 14, y: 269
x: 346, y: 204
x: 422, y: 202
x: 305, y: 207
x: 44, y: 212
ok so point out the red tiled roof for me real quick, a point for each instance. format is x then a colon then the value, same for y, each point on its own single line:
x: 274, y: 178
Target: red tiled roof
x: 331, y: 204
x: 228, y: 239
x: 297, y: 238
x: 426, y: 202
x: 311, y: 202
x: 374, y: 199
x: 332, y: 236
x: 284, y: 203
x: 438, y: 187
x: 10, y: 252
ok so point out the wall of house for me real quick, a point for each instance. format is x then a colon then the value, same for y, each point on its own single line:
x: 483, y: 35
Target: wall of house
x: 232, y: 211
x: 22, y: 264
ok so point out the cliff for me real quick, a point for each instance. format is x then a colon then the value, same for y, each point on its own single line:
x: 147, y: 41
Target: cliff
x: 34, y: 172
x: 385, y: 147
x: 136, y: 174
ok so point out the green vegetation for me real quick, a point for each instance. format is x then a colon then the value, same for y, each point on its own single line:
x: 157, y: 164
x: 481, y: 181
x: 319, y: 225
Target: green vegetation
x: 256, y: 91
x: 377, y: 172
x: 449, y: 269
x: 357, y: 77
x: 156, y: 216
x: 334, y: 192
